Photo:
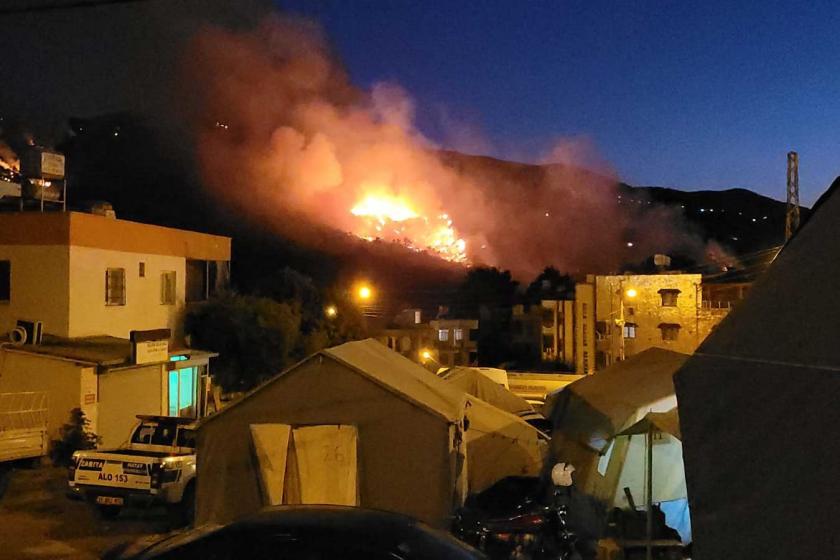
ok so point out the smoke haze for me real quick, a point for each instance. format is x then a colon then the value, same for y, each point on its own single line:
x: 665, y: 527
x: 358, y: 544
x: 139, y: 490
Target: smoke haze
x: 284, y: 137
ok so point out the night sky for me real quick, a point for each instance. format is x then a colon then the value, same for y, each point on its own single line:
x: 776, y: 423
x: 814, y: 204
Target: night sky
x: 687, y: 94
x: 691, y: 95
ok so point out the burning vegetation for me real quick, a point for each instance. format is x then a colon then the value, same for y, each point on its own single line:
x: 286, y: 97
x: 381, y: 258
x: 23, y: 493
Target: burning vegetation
x: 285, y: 138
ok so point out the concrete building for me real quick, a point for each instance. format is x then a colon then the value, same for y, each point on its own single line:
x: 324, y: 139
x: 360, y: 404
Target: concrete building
x: 455, y: 341
x: 547, y: 330
x: 408, y: 335
x: 85, y: 275
x: 91, y: 281
x: 101, y: 376
x: 584, y: 325
x: 631, y: 313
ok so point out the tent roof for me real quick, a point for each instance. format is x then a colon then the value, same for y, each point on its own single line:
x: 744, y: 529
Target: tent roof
x: 472, y: 381
x: 621, y: 389
x: 798, y: 289
x: 668, y: 422
x: 374, y: 360
x: 388, y: 369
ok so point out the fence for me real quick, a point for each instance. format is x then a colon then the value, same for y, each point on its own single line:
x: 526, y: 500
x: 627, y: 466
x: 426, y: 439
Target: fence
x: 23, y: 411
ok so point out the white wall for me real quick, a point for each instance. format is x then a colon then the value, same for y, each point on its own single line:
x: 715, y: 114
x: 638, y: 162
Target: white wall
x: 123, y: 394
x: 58, y: 378
x: 89, y: 315
x: 39, y: 287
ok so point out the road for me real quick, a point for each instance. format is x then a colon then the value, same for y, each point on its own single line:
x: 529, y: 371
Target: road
x: 38, y: 521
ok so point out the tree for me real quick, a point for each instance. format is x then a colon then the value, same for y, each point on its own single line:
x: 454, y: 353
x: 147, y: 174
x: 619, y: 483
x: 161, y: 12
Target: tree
x: 255, y: 337
x: 550, y: 284
x: 483, y: 286
x: 74, y: 436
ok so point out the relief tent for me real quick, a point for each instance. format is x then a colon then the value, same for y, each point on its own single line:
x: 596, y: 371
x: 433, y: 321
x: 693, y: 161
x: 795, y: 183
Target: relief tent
x: 358, y: 424
x: 759, y: 408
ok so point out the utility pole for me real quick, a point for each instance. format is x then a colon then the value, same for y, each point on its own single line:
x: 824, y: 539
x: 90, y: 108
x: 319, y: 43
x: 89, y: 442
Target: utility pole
x: 792, y: 215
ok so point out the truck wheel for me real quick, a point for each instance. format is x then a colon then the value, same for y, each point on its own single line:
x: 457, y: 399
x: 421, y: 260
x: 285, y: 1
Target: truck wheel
x: 109, y: 512
x: 182, y: 514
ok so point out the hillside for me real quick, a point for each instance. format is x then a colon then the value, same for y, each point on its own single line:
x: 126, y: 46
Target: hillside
x: 148, y: 176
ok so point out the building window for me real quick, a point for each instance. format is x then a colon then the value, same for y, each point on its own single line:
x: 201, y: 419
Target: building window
x: 583, y: 309
x: 459, y: 335
x: 5, y: 280
x: 583, y: 336
x: 670, y: 331
x: 115, y: 286
x: 629, y: 330
x: 443, y: 335
x: 142, y: 270
x: 669, y: 297
x: 167, y: 287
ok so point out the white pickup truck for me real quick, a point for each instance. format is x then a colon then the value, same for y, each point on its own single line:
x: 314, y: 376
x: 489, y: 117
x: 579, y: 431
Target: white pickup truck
x: 157, y: 466
x: 23, y: 426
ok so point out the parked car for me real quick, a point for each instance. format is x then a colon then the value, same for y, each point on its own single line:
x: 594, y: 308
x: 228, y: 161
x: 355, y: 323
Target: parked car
x: 156, y: 466
x: 306, y: 533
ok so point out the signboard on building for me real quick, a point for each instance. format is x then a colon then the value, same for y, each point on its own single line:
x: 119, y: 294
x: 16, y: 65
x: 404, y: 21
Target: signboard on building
x: 150, y: 347
x: 41, y: 164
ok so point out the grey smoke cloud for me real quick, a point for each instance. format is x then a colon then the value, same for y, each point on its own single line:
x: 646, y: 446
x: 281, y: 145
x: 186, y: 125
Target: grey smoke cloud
x: 282, y: 135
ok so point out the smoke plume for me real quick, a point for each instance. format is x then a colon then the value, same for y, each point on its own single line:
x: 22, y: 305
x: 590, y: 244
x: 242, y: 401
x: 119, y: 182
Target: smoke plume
x: 284, y: 137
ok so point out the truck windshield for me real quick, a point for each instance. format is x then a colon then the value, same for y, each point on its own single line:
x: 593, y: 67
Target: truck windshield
x: 155, y: 434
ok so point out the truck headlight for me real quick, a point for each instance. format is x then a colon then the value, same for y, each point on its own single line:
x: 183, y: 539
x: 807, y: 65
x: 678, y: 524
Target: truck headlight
x: 171, y: 470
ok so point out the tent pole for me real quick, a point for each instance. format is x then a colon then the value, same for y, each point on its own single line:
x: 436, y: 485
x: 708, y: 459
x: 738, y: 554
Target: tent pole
x: 649, y: 528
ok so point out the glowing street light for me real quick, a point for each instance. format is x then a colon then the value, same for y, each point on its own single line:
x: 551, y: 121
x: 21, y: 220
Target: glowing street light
x: 631, y: 293
x: 331, y: 311
x: 426, y: 355
x: 365, y: 293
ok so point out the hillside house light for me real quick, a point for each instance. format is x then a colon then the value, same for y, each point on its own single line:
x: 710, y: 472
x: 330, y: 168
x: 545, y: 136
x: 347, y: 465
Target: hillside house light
x: 331, y: 311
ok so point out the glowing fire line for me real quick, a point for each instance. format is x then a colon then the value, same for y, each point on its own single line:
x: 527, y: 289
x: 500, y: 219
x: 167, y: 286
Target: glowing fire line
x: 393, y: 218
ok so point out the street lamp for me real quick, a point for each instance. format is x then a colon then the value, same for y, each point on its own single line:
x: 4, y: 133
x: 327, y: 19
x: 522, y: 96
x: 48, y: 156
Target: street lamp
x: 331, y: 311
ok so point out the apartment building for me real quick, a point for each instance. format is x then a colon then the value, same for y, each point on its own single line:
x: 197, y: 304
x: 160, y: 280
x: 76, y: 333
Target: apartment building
x: 109, y: 296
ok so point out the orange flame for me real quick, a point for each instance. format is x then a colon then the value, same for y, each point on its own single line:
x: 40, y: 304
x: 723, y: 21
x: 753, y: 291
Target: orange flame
x: 394, y: 218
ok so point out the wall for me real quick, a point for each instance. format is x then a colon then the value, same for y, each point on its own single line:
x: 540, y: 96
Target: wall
x: 89, y: 315
x: 646, y: 311
x: 58, y: 378
x: 123, y: 394
x: 453, y: 352
x: 38, y: 287
x: 585, y: 342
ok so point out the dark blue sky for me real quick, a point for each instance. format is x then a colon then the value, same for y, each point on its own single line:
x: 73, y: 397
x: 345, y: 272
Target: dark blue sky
x: 687, y: 94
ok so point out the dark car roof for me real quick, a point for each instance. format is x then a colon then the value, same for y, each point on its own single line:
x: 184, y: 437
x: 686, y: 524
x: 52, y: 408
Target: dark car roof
x: 326, y: 519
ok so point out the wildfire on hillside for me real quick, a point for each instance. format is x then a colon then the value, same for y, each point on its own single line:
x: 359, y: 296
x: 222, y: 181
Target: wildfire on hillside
x: 311, y: 151
x: 394, y: 218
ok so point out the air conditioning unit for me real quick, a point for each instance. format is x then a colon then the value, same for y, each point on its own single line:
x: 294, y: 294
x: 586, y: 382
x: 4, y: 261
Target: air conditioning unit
x: 27, y: 332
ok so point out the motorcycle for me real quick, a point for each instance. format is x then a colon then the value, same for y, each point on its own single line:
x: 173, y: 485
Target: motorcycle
x: 533, y: 531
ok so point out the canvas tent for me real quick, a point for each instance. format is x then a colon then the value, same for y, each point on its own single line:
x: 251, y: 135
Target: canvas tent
x: 759, y: 409
x: 357, y: 424
x: 588, y: 414
x: 473, y: 381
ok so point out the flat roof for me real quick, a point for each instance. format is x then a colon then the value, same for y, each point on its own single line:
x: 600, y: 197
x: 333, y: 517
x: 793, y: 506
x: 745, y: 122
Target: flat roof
x: 106, y: 351
x: 89, y: 230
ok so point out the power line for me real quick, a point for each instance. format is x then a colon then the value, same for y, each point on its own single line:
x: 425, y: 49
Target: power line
x: 64, y: 6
